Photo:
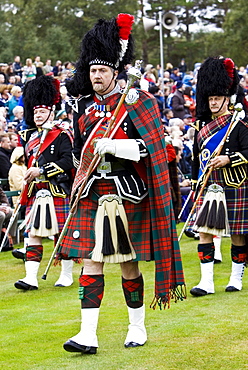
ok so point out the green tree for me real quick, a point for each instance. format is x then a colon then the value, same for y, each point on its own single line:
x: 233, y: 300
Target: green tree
x: 52, y: 29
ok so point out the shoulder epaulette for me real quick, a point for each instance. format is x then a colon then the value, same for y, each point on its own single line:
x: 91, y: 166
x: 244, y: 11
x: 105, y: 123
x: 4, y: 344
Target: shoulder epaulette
x: 23, y: 133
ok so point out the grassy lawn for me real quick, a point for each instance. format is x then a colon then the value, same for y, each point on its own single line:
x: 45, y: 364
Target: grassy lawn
x: 199, y: 333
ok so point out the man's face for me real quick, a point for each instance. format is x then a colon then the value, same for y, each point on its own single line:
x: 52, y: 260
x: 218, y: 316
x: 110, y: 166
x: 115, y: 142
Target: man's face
x: 41, y: 115
x: 187, y: 121
x: 12, y: 80
x: 218, y: 105
x: 13, y: 141
x: 3, y: 123
x: 5, y: 143
x: 19, y: 115
x: 102, y: 78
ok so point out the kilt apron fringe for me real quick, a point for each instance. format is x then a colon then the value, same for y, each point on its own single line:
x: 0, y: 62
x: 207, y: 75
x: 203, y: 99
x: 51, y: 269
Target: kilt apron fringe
x: 112, y: 244
x: 42, y: 209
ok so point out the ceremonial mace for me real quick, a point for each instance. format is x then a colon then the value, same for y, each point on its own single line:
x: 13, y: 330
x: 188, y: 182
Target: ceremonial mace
x: 46, y: 128
x: 236, y: 116
x: 133, y: 74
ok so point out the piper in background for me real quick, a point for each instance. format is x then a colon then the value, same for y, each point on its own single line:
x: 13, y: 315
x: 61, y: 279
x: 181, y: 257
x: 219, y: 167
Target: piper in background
x: 48, y: 178
x: 125, y: 213
x: 224, y: 204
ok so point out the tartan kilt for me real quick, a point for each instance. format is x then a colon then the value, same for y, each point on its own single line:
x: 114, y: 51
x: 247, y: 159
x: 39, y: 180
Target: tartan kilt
x: 236, y: 201
x: 61, y: 206
x: 83, y: 221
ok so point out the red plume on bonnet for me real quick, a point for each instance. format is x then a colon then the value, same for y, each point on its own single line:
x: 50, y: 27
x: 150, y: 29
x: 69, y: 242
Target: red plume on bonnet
x: 229, y: 66
x: 125, y: 22
x: 57, y: 86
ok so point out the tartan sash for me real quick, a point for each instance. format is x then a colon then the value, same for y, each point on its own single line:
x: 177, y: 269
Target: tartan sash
x: 87, y: 153
x: 210, y: 147
x: 34, y: 142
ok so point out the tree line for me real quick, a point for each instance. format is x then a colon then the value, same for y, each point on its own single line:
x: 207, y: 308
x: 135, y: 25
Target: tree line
x: 55, y: 29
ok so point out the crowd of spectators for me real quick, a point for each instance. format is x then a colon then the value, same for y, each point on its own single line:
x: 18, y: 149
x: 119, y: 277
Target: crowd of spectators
x: 174, y: 91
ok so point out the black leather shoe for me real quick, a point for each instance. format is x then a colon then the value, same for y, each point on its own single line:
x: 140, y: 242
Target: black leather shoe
x: 189, y: 234
x: 17, y: 254
x: 197, y: 292
x: 132, y: 345
x: 7, y: 249
x: 21, y: 285
x: 71, y: 346
x: 192, y: 234
x: 217, y: 261
x: 231, y: 289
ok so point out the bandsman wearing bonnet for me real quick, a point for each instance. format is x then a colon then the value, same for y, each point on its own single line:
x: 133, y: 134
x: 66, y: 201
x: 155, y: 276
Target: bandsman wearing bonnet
x: 47, y: 148
x: 220, y: 152
x: 124, y: 214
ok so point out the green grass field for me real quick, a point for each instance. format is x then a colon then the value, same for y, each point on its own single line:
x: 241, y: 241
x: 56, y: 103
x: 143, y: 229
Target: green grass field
x: 199, y: 333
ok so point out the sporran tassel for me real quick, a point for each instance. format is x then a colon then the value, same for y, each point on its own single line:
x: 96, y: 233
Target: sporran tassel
x: 220, y: 218
x: 48, y: 217
x: 107, y: 227
x: 107, y: 245
x: 123, y: 242
x: 44, y: 211
x: 212, y: 218
x: 37, y: 218
x: 202, y: 218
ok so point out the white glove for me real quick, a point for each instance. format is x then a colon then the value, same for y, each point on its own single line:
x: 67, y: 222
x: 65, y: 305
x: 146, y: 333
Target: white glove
x: 121, y: 148
x: 105, y: 145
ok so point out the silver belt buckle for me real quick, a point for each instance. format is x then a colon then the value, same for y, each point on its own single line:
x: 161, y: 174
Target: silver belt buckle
x: 104, y: 168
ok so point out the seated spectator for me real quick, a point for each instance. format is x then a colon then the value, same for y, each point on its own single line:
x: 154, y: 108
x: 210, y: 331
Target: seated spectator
x: 39, y: 69
x: 178, y: 122
x: 12, y: 80
x: 57, y: 68
x: 153, y: 89
x: 184, y: 183
x: 123, y: 74
x: 182, y: 67
x: 29, y: 71
x: 149, y: 74
x: 189, y: 139
x: 188, y: 80
x: 188, y: 121
x: 167, y: 115
x: 3, y: 124
x: 47, y: 68
x: 174, y: 184
x: 10, y: 127
x: 16, y: 93
x: 3, y: 79
x: 18, y: 117
x: 190, y: 104
x: 13, y: 137
x: 169, y: 68
x: 176, y: 75
x: 4, y: 94
x: 5, y: 215
x: 178, y: 103
x: 61, y: 114
x: 17, y: 171
x: 175, y: 132
x: 5, y: 153
x: 17, y: 66
x: 9, y: 71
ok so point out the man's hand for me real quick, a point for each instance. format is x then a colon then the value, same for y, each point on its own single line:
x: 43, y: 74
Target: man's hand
x: 31, y: 174
x: 185, y: 182
x: 105, y: 145
x: 220, y: 161
x: 5, y: 209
